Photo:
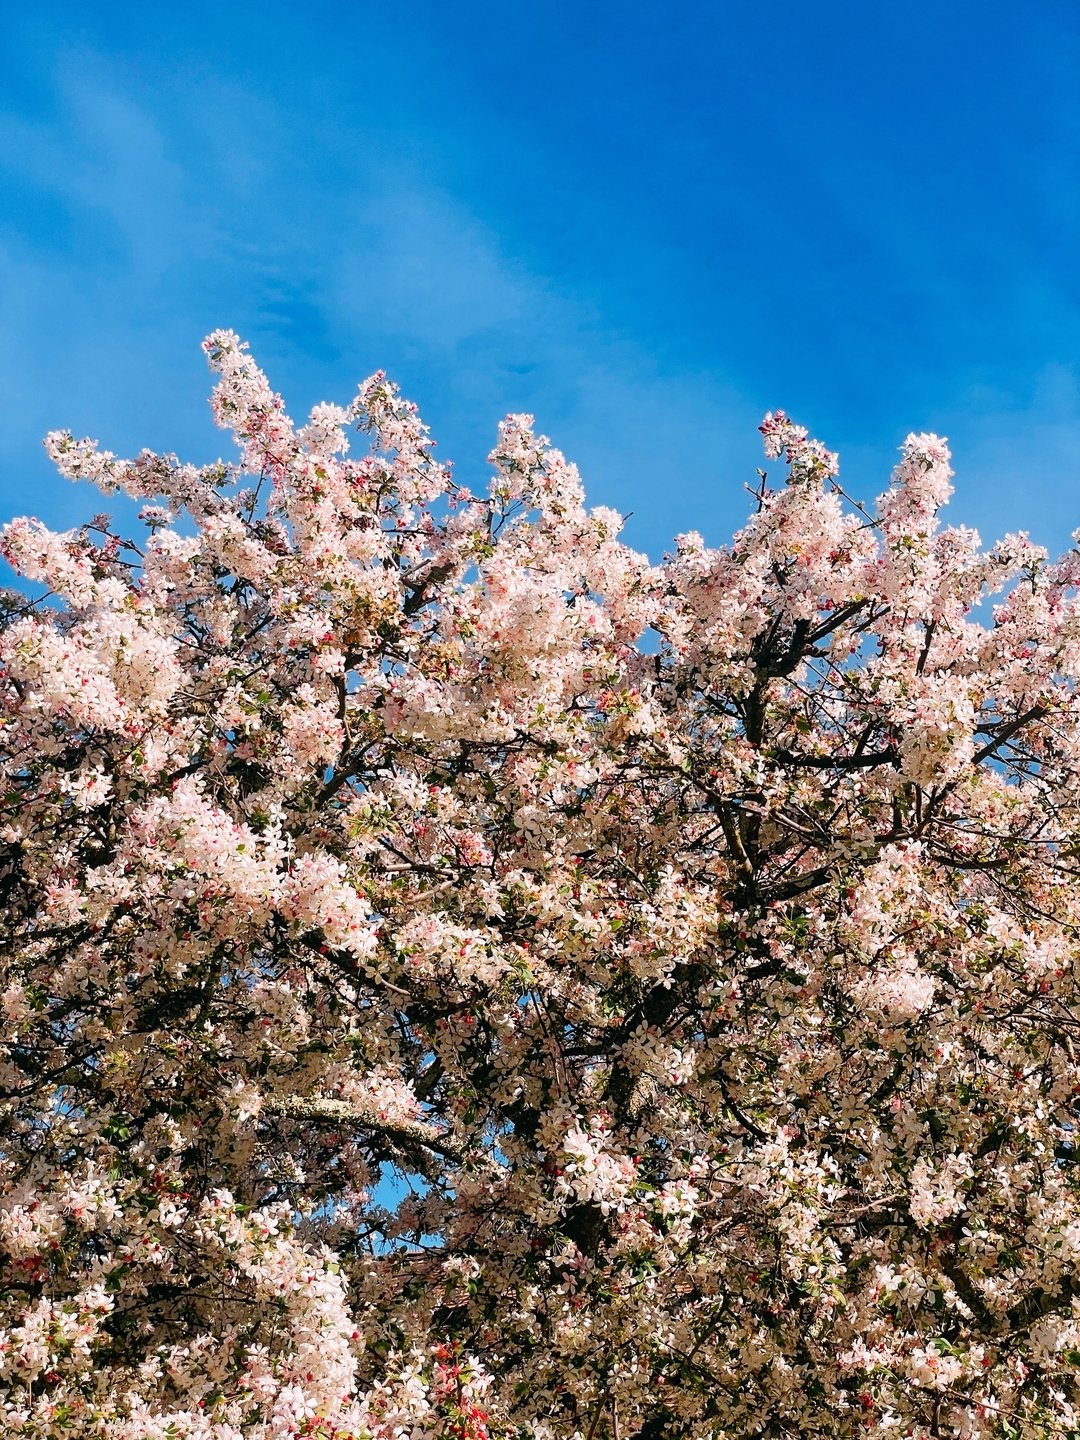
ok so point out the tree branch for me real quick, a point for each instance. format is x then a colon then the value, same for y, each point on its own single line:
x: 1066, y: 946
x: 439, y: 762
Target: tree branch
x: 1008, y: 731
x: 323, y: 1111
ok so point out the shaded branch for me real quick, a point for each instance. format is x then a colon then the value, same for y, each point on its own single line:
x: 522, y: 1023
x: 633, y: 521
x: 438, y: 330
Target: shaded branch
x: 1008, y: 731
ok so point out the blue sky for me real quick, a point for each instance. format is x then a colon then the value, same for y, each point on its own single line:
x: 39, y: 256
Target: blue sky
x: 644, y: 223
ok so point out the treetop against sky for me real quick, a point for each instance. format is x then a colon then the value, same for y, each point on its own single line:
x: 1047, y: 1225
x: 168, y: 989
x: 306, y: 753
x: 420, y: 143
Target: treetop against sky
x: 481, y: 965
x: 713, y: 1000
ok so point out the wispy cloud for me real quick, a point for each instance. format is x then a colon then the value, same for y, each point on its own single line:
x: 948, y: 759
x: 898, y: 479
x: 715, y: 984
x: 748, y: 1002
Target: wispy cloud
x: 390, y: 270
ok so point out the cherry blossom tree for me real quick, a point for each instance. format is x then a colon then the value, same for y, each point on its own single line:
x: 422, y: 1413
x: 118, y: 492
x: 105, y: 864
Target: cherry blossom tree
x: 463, y: 980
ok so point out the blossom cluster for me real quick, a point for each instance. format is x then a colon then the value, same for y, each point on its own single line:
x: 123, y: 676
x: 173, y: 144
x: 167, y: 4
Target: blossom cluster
x: 462, y: 979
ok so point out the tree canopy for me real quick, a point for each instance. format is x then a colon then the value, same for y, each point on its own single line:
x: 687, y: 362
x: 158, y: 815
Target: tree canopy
x: 461, y: 979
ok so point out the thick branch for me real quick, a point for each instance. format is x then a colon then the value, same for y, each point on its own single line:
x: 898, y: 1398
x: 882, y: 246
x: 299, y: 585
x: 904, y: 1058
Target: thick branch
x: 323, y: 1111
x: 864, y: 761
x: 1006, y: 732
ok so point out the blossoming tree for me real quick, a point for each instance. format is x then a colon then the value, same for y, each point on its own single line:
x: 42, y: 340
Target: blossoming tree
x: 462, y: 980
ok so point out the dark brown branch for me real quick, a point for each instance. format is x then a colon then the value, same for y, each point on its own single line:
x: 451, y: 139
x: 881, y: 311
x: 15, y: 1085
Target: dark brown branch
x: 1008, y: 731
x: 856, y: 761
